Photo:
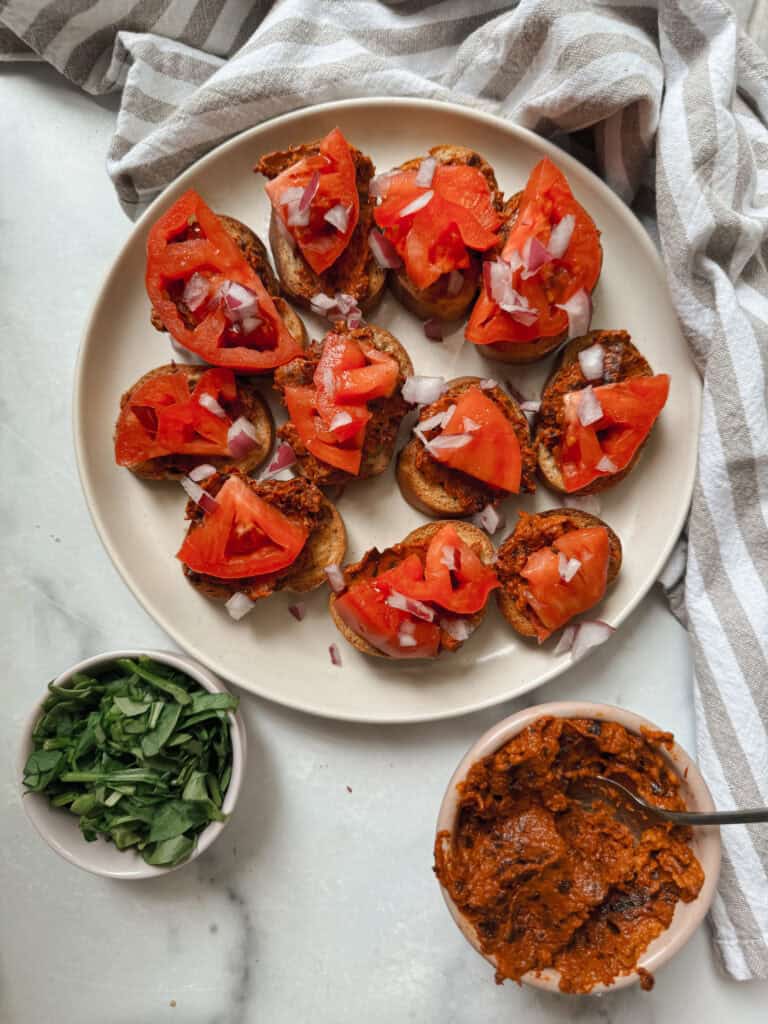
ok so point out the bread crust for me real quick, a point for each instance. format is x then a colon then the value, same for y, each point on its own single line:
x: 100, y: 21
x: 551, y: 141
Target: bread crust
x: 250, y: 404
x: 531, y: 533
x: 381, y: 430
x: 443, y: 492
x: 374, y: 561
x: 623, y: 361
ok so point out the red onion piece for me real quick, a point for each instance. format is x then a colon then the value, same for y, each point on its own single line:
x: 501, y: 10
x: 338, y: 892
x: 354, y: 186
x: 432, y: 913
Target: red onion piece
x: 426, y: 172
x: 497, y: 277
x: 590, y: 633
x: 448, y: 442
x: 565, y: 643
x: 489, y: 519
x: 384, y: 251
x: 470, y: 426
x: 296, y: 217
x: 579, y: 310
x: 239, y: 605
x: 335, y: 578
x: 241, y: 438
x: 379, y: 184
x: 591, y: 361
x: 200, y: 497
x: 201, y: 472
x: 418, y: 609
x: 196, y: 292
x: 354, y: 321
x: 291, y: 195
x: 298, y: 611
x: 590, y: 410
x: 283, y: 458
x: 534, y: 255
x: 251, y: 323
x: 346, y: 303
x: 433, y: 329
x: 449, y: 559
x: 341, y: 419
x: 309, y: 192
x: 430, y: 423
x: 567, y: 567
x: 455, y: 283
x: 530, y: 406
x: 488, y: 384
x: 607, y: 465
x: 585, y: 503
x: 322, y: 303
x: 561, y: 236
x: 448, y: 414
x: 419, y: 390
x: 338, y: 217
x: 457, y: 628
x: 405, y: 638
x: 209, y: 402
x: 239, y: 301
x: 418, y: 204
x: 333, y: 651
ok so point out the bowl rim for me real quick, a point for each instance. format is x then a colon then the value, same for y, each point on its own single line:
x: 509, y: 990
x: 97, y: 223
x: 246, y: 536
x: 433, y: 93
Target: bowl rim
x: 672, y: 939
x: 135, y: 867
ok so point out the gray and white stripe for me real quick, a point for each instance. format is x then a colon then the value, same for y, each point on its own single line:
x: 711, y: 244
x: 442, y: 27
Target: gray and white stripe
x: 668, y: 100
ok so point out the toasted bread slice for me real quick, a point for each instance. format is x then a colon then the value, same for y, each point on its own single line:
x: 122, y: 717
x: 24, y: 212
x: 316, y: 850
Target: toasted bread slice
x: 622, y: 361
x: 301, y: 502
x: 381, y: 430
x: 532, y: 533
x: 249, y: 404
x: 255, y: 253
x: 355, y: 272
x: 374, y: 562
x: 435, y: 301
x: 438, y: 490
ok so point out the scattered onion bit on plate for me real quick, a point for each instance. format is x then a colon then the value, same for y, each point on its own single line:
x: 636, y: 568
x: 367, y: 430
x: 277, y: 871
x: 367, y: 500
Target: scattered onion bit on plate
x: 580, y: 636
x: 419, y: 390
x: 298, y: 611
x: 239, y: 605
x: 333, y: 651
x: 433, y: 329
x: 489, y: 519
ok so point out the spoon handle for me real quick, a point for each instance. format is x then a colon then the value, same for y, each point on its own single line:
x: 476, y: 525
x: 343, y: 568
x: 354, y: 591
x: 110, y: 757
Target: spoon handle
x: 740, y: 817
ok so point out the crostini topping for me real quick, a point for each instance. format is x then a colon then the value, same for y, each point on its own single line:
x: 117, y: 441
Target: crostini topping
x: 489, y: 451
x: 605, y: 426
x: 552, y: 253
x: 490, y: 519
x: 419, y: 390
x: 328, y: 183
x: 335, y: 578
x: 591, y: 361
x: 200, y: 497
x: 239, y: 605
x: 384, y: 252
x: 434, y: 226
x: 209, y: 402
x: 578, y: 309
x: 284, y: 458
x: 340, y: 307
x: 234, y: 323
x: 241, y: 437
x: 426, y: 172
x: 557, y: 591
x: 201, y: 472
x: 498, y: 278
x: 244, y: 536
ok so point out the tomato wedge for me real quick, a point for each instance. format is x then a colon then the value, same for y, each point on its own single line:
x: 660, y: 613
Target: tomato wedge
x: 436, y: 239
x: 492, y: 453
x: 630, y: 408
x: 243, y: 537
x: 552, y: 599
x: 161, y: 417
x: 190, y: 239
x: 547, y: 199
x: 321, y: 243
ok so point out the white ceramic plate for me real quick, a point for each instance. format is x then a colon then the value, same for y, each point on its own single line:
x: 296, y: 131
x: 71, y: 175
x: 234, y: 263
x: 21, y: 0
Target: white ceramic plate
x: 141, y: 524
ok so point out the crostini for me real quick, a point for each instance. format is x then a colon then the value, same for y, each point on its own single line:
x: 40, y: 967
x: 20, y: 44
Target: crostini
x: 345, y: 404
x: 436, y: 215
x: 178, y: 417
x: 471, y: 448
x: 247, y: 539
x: 420, y: 597
x: 537, y: 293
x: 597, y: 411
x: 320, y: 223
x: 555, y: 565
x: 213, y: 290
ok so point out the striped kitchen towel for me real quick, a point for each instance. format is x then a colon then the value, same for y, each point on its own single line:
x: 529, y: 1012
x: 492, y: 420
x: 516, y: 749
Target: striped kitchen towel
x: 670, y: 98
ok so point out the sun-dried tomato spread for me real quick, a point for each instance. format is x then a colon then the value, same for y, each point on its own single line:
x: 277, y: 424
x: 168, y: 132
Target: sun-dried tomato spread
x: 548, y: 878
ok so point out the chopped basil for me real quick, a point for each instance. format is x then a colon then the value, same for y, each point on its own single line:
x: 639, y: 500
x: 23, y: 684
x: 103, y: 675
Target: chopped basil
x: 140, y: 753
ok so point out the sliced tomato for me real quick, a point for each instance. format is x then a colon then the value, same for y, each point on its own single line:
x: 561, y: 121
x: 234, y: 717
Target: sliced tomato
x: 630, y: 408
x: 320, y: 242
x: 172, y: 259
x: 552, y: 599
x: 546, y: 200
x: 243, y: 537
x: 493, y: 452
x: 463, y: 590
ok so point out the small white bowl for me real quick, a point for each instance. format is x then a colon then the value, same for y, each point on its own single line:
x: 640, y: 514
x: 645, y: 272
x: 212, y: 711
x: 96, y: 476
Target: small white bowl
x: 693, y: 789
x: 60, y: 828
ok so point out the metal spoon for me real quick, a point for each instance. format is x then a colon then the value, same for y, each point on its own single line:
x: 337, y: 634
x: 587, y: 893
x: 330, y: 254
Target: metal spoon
x: 598, y: 784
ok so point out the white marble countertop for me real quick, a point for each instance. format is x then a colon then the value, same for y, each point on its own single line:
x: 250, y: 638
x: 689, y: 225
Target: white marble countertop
x: 318, y: 904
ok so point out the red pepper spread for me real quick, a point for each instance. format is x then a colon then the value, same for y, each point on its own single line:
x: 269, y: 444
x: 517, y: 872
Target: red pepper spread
x: 551, y: 880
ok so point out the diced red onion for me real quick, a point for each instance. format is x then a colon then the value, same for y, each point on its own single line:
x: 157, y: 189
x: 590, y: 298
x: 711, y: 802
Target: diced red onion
x: 322, y: 303
x: 448, y: 442
x: 384, y: 251
x: 567, y: 567
x: 561, y: 236
x: 433, y: 329
x: 200, y: 497
x: 497, y: 277
x: 341, y: 419
x: 448, y: 415
x: 346, y: 303
x: 418, y: 390
x: 196, y: 292
x: 607, y: 465
x: 448, y: 558
x: 239, y: 605
x: 239, y: 301
x: 209, y: 402
x: 470, y: 426
x: 565, y: 643
x: 338, y: 216
x: 426, y: 172
x: 405, y: 638
x: 589, y: 503
x: 590, y: 633
x: 251, y: 323
x: 354, y: 321
x: 298, y: 611
x: 488, y: 384
x: 457, y: 628
x: 333, y: 650
x: 489, y: 519
x: 579, y: 310
x: 534, y: 255
x: 296, y: 217
x: 291, y: 195
x: 590, y: 410
x: 309, y: 192
x: 591, y: 361
x: 285, y: 456
x: 201, y: 472
x: 335, y: 578
x: 430, y: 423
x: 241, y: 437
x: 379, y: 184
x: 455, y: 283
x: 530, y: 406
x: 418, y: 204
x: 418, y: 609
x: 514, y: 261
